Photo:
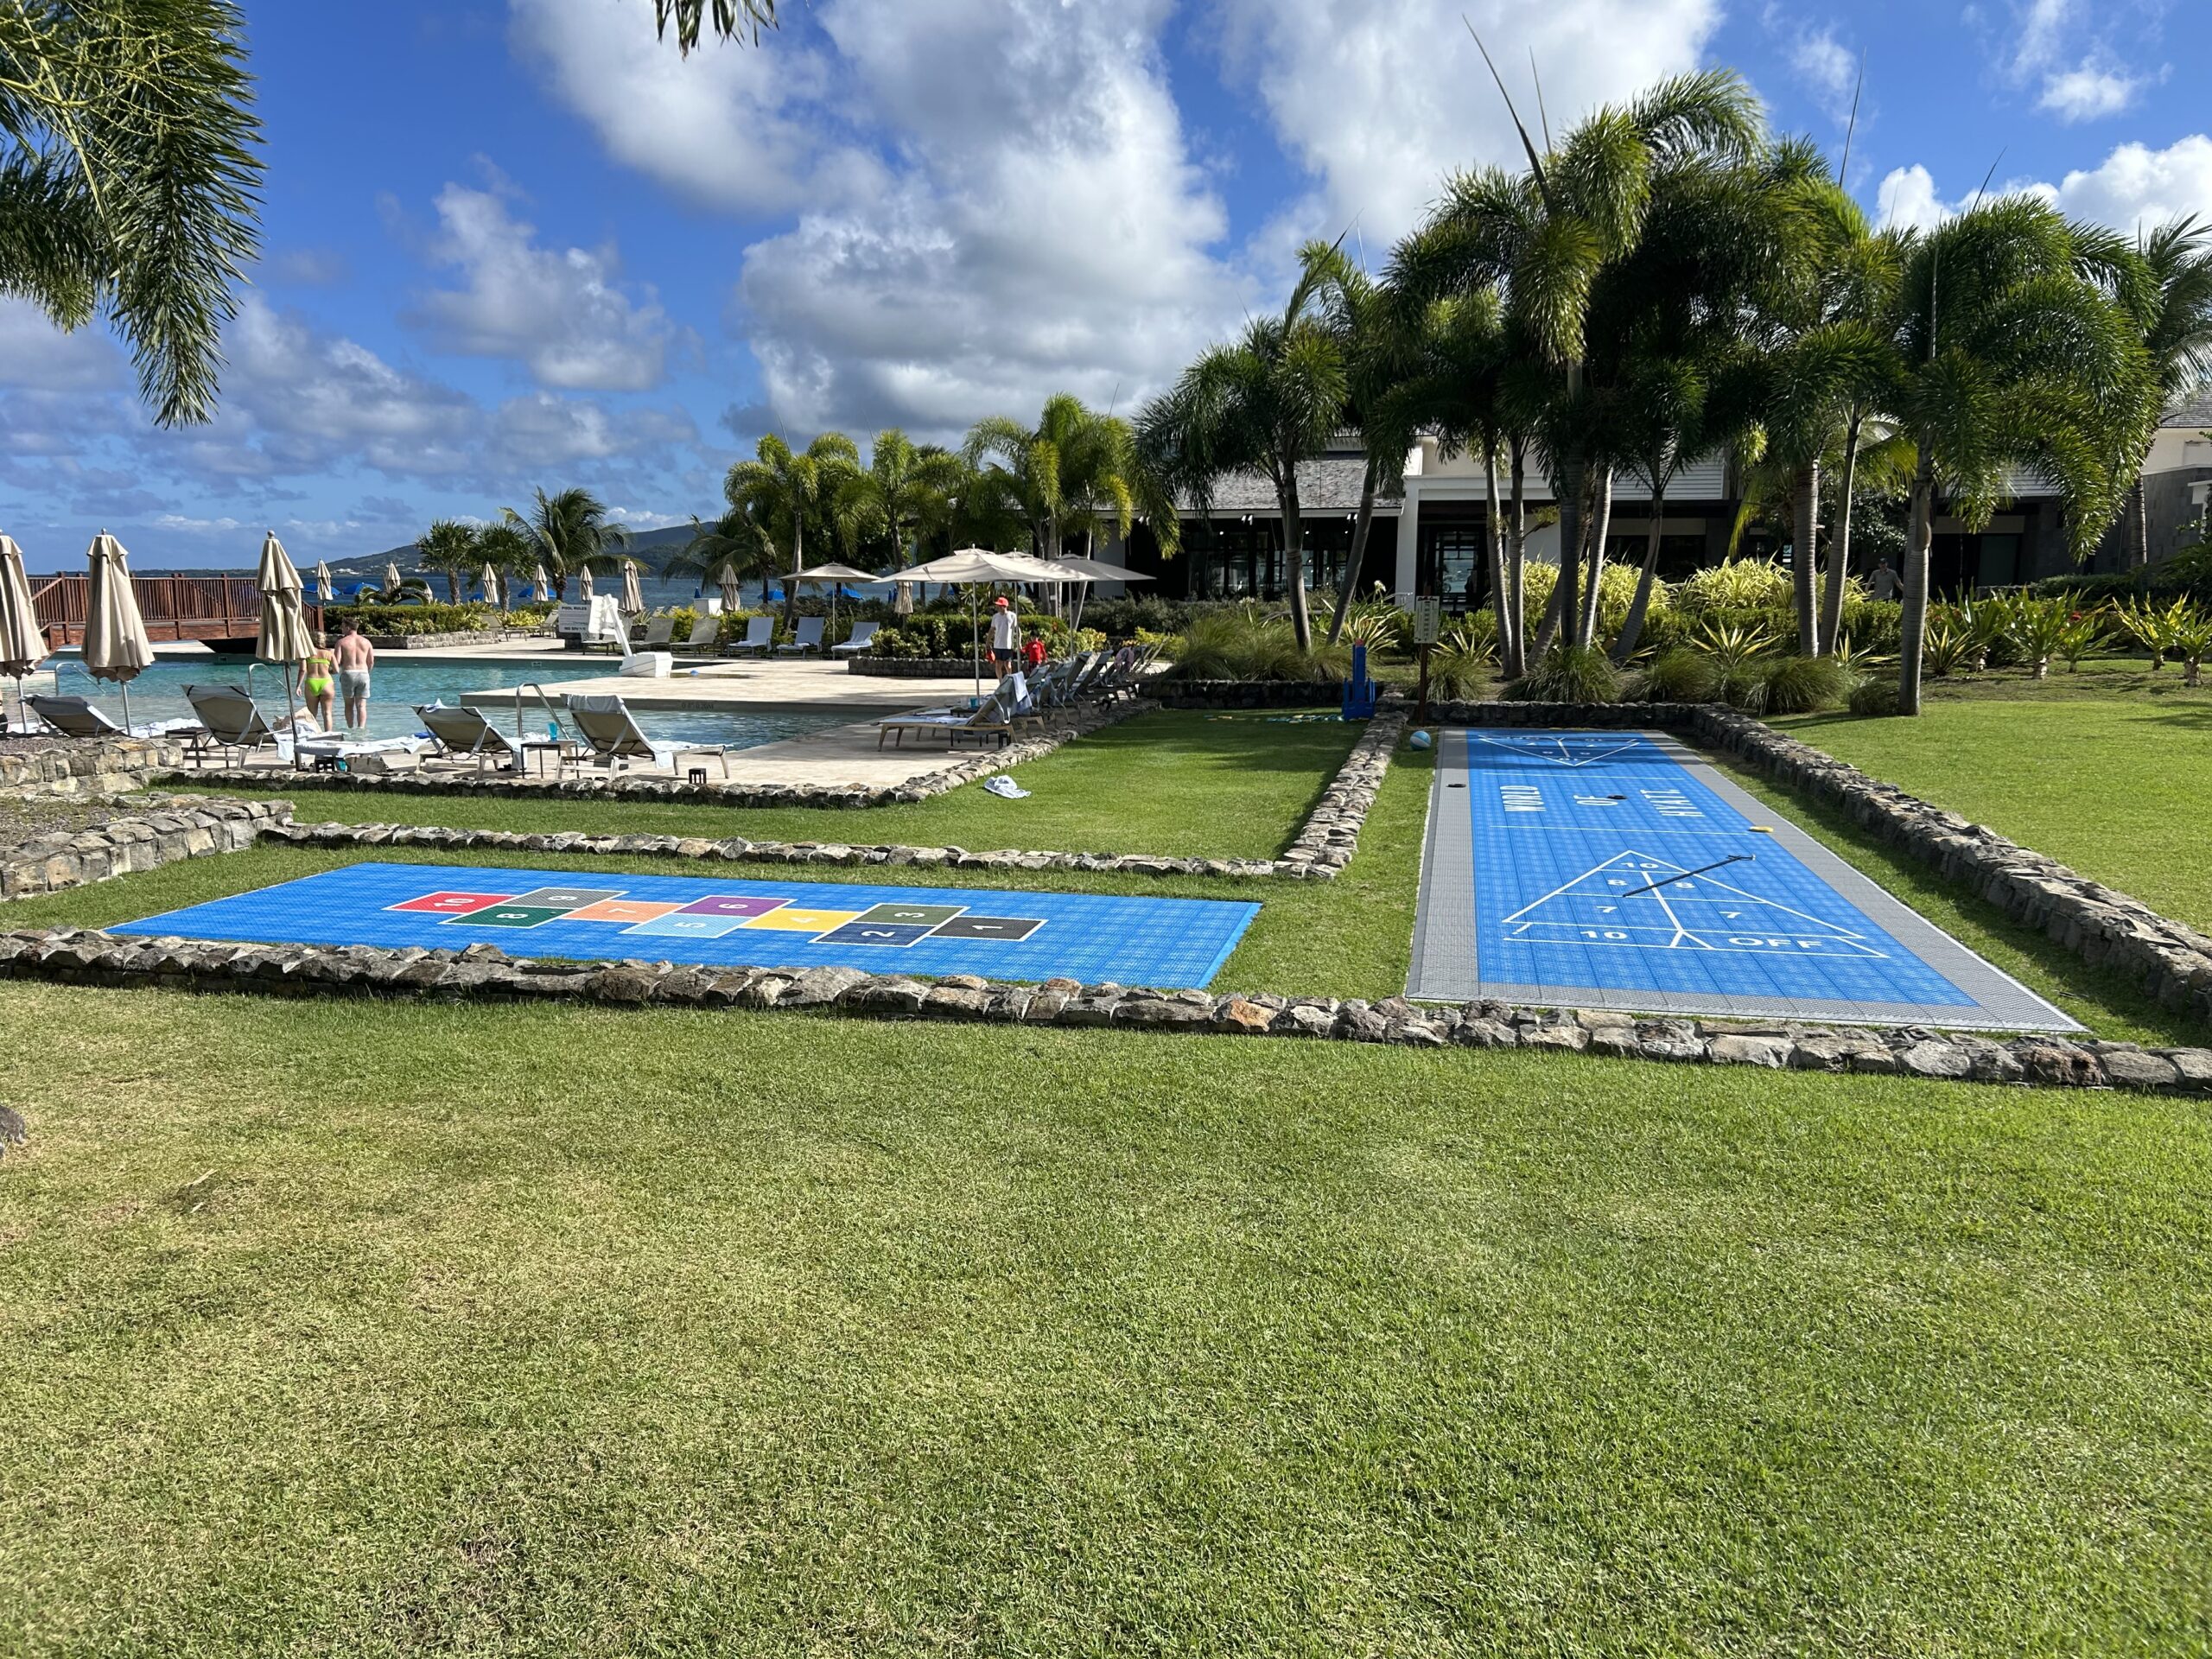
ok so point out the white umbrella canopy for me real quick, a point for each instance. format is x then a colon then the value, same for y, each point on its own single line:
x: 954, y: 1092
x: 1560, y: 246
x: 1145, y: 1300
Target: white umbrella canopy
x: 1090, y: 569
x: 584, y: 581
x: 633, y: 598
x: 541, y: 586
x: 488, y: 579
x: 283, y: 638
x: 391, y: 576
x: 324, y: 588
x: 836, y: 576
x: 22, y: 642
x: 116, y: 646
x: 974, y: 567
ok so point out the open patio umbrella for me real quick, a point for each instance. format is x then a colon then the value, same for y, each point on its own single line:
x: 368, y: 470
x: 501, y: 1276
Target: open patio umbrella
x: 833, y: 575
x: 116, y: 646
x: 1089, y: 570
x: 975, y: 569
x: 22, y: 642
x: 284, y: 639
x: 633, y: 598
x: 541, y: 586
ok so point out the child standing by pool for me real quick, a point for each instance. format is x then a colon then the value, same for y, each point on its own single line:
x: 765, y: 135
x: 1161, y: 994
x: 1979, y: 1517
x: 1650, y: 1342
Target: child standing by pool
x: 318, y: 681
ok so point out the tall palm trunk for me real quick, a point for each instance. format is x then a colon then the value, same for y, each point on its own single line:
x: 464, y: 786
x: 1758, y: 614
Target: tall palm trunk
x: 1632, y: 625
x: 1600, y: 525
x: 2139, y: 532
x: 1293, y: 553
x: 1567, y: 595
x: 1508, y: 619
x: 799, y: 564
x: 1839, y: 543
x: 1914, y: 623
x: 1516, y: 561
x: 1349, y: 585
x: 1804, y: 567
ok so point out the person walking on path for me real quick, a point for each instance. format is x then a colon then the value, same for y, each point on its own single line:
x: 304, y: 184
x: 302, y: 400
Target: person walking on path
x: 1884, y: 581
x: 1006, y: 636
x: 318, y: 681
x: 355, y: 657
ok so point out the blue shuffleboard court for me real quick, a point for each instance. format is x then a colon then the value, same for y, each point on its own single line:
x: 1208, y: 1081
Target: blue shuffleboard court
x: 1171, y: 943
x: 1621, y: 870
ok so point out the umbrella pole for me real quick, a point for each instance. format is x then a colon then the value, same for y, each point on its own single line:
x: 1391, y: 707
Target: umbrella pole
x: 975, y: 635
x: 292, y: 716
x: 125, y: 687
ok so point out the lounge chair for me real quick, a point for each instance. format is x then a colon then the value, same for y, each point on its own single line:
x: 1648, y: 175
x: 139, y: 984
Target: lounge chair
x: 607, y: 724
x: 73, y: 717
x: 233, y: 721
x: 863, y: 637
x: 461, y: 730
x: 806, y: 638
x: 994, y: 717
x: 660, y: 631
x: 759, y: 635
x: 704, y: 632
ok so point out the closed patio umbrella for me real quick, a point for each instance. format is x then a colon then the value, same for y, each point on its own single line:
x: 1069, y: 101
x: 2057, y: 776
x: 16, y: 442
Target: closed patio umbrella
x: 633, y: 599
x: 490, y: 580
x: 733, y: 595
x: 391, y: 577
x: 116, y: 646
x: 323, y: 586
x: 284, y: 639
x: 541, y: 586
x: 22, y: 642
x: 584, y: 583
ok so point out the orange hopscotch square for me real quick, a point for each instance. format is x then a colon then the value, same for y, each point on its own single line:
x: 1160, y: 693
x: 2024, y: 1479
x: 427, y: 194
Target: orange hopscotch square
x: 789, y: 920
x: 619, y: 910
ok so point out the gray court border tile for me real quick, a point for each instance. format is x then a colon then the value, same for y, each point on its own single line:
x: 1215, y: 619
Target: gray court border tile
x: 1446, y: 965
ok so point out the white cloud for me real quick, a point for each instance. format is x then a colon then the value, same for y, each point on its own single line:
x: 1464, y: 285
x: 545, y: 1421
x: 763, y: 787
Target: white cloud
x: 1907, y: 198
x: 2087, y: 93
x: 2040, y: 29
x: 1380, y: 101
x: 563, y: 311
x: 2135, y: 187
x: 1827, y: 67
x: 37, y: 355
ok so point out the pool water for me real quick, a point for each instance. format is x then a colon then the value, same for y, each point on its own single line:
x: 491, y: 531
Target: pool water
x: 401, y: 681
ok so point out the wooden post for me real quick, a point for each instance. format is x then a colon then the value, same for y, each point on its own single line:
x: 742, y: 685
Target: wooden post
x: 1420, y: 715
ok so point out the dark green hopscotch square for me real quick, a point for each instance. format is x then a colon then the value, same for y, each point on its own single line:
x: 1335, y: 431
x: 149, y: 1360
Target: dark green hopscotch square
x: 972, y: 926
x: 908, y: 915
x: 507, y: 916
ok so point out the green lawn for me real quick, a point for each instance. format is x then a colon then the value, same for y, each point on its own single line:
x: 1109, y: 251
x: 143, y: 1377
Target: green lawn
x: 1187, y: 783
x: 350, y: 1328
x: 2116, y: 789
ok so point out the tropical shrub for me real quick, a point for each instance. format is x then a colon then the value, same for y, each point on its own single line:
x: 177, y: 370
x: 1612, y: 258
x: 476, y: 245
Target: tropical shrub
x: 2038, y: 629
x: 1244, y: 644
x: 1577, y: 674
x: 2189, y: 638
x: 1876, y: 697
x: 2083, y: 631
x: 1461, y: 662
x: 411, y: 620
x: 1946, y: 646
x: 1797, y: 685
x: 2153, y: 626
x: 1739, y: 656
x: 1681, y: 675
x: 1858, y: 662
x: 1735, y: 584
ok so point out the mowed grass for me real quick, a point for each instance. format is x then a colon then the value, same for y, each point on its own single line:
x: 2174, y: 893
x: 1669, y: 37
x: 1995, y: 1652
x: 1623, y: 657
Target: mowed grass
x: 2117, y: 790
x: 380, y: 1328
x: 1184, y: 782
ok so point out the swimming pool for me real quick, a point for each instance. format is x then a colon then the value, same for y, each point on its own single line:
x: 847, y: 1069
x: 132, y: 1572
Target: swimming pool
x: 403, y: 681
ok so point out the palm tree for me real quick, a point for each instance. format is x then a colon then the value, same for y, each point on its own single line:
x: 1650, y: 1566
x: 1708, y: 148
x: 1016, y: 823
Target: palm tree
x: 1063, y: 473
x: 781, y: 490
x: 569, y: 532
x: 732, y: 542
x: 127, y: 178
x: 1377, y: 331
x: 905, y: 486
x: 735, y: 20
x: 2173, y: 307
x: 1263, y: 404
x: 447, y: 547
x: 1552, y: 235
x: 2009, y: 355
x: 507, y: 551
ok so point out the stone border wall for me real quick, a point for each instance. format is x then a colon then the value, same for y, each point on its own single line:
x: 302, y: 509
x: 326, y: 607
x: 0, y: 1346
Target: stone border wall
x: 483, y: 973
x: 1331, y: 834
x: 175, y: 829
x: 105, y: 766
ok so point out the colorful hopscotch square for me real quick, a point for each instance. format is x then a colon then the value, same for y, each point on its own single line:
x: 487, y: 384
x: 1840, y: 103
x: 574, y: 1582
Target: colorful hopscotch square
x: 893, y: 935
x: 620, y: 910
x: 677, y: 925
x: 452, y: 903
x: 739, y: 904
x: 507, y: 916
x: 922, y: 916
x: 564, y: 897
x: 972, y: 926
x: 790, y: 919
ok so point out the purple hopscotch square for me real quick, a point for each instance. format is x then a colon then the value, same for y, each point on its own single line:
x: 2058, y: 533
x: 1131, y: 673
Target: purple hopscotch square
x: 732, y: 904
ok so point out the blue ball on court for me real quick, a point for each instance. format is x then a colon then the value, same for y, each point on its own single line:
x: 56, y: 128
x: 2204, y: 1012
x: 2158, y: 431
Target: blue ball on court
x: 1420, y: 740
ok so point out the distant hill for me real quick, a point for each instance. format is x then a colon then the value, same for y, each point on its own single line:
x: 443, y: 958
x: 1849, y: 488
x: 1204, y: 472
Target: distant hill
x: 652, y: 549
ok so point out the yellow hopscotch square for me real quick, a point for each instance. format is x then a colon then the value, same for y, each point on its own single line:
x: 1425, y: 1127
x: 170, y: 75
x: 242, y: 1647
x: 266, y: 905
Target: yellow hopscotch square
x: 803, y: 921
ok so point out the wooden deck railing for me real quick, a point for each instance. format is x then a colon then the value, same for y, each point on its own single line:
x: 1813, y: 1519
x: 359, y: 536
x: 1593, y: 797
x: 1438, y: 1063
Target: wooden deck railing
x: 174, y: 607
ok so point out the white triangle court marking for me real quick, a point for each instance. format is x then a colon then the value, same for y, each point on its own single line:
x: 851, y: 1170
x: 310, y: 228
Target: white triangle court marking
x: 1684, y: 912
x: 1566, y: 756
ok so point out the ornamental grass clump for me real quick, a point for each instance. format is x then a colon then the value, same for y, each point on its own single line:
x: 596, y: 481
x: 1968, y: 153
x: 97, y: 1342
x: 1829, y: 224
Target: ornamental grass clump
x: 1681, y: 675
x: 1797, y: 685
x: 2038, y: 629
x: 1568, y: 674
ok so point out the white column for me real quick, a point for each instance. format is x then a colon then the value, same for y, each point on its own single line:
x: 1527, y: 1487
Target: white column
x: 1408, y: 544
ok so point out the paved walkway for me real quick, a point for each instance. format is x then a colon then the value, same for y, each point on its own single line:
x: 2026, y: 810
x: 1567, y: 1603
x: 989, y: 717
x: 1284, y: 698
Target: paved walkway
x: 745, y: 687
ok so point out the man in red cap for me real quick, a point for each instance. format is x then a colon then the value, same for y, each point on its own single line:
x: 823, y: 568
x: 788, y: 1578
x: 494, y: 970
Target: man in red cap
x: 1006, y: 636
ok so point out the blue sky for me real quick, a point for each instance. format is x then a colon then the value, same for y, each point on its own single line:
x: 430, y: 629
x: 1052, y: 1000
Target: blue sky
x: 507, y: 245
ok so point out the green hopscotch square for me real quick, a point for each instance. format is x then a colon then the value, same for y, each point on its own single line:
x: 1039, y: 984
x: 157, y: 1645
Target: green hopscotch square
x: 507, y: 916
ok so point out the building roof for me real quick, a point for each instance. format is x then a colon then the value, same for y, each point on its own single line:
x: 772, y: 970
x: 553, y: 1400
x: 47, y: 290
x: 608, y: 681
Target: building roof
x: 2190, y: 409
x: 1330, y: 483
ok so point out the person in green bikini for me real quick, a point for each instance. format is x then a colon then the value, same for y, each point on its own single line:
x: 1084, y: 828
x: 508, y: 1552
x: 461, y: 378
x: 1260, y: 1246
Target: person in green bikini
x: 319, y: 684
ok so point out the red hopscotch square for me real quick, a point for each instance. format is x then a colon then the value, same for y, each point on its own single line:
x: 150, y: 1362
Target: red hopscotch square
x: 452, y: 904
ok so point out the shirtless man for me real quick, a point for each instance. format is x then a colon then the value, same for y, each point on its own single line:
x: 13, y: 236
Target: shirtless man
x: 355, y: 657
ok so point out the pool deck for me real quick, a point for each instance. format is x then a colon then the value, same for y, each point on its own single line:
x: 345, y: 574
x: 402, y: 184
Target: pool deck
x: 741, y: 687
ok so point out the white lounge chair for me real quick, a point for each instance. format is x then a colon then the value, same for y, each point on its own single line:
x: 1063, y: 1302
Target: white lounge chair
x: 611, y: 731
x: 806, y: 638
x: 233, y: 721
x: 73, y: 717
x: 704, y: 632
x: 995, y: 717
x: 658, y: 631
x: 759, y: 635
x: 863, y: 637
x: 461, y: 730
